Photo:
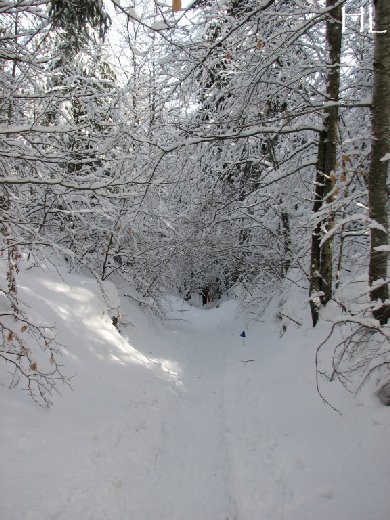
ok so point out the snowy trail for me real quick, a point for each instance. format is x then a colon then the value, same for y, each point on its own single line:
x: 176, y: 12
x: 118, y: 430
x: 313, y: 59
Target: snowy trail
x: 143, y: 435
x: 166, y: 422
x: 192, y: 467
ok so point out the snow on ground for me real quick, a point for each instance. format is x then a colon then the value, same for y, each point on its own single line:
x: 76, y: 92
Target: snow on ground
x: 182, y: 421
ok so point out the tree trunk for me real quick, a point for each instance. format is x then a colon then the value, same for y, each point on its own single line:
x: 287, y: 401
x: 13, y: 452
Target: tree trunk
x: 286, y: 260
x: 321, y: 271
x: 377, y: 176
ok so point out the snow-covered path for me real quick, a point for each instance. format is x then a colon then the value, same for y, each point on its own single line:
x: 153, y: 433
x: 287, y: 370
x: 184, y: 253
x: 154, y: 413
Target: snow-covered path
x: 181, y: 421
x: 192, y: 477
x: 218, y: 455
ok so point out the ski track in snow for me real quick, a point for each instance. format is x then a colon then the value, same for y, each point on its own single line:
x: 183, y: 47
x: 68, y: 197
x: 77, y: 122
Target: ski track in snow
x: 168, y: 422
x: 191, y: 468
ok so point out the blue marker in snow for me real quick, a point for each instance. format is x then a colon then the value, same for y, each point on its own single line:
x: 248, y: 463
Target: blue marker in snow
x: 243, y: 335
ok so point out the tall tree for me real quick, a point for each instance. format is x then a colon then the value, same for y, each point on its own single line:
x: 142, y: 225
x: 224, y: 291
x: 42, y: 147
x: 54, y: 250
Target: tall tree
x: 379, y: 166
x: 321, y: 263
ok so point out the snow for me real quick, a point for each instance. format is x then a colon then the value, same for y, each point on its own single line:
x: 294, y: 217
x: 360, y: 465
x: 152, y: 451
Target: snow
x: 181, y: 420
x: 133, y: 13
x: 159, y: 26
x: 137, y: 52
x: 382, y: 248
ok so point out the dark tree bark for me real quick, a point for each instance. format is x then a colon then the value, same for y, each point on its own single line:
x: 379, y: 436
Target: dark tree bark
x: 377, y: 176
x: 286, y: 260
x: 321, y: 271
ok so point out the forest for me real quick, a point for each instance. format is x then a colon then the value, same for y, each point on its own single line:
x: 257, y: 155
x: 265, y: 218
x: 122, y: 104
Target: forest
x: 225, y: 144
x: 213, y: 149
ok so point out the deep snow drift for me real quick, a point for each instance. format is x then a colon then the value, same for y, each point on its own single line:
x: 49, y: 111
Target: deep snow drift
x: 184, y: 421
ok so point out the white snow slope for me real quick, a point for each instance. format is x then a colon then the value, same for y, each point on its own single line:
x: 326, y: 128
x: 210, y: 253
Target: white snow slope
x: 181, y: 421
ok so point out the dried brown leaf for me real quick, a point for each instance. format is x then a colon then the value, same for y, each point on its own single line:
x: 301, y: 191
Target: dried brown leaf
x: 176, y: 5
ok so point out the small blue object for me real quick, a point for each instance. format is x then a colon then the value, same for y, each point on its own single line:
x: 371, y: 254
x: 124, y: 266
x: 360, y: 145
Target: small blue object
x: 243, y: 335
